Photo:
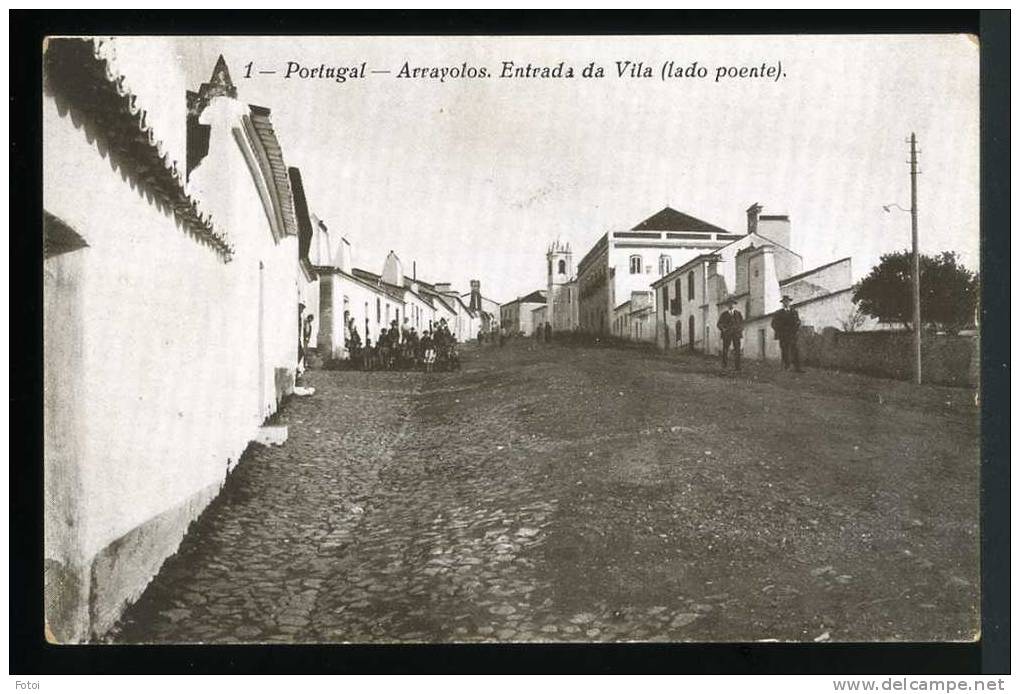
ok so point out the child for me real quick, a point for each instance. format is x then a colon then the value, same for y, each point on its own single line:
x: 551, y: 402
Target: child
x: 428, y: 349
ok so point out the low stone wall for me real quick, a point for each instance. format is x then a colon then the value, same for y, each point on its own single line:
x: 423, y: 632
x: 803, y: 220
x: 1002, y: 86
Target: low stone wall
x: 945, y: 359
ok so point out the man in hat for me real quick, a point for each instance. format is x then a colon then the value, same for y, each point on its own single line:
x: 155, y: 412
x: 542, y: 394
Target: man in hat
x: 731, y: 328
x: 300, y: 330
x: 786, y: 325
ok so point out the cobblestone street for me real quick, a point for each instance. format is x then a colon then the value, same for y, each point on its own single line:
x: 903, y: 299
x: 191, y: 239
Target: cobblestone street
x: 551, y: 493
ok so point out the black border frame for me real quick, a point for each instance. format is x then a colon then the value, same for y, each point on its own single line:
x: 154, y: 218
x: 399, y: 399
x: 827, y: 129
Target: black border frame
x: 29, y: 652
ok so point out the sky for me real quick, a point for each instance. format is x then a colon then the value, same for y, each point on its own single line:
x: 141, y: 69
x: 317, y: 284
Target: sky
x: 474, y: 178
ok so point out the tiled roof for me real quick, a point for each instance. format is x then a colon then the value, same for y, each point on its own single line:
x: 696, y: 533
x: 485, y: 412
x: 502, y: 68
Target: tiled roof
x: 381, y: 288
x: 376, y: 281
x: 304, y: 220
x: 277, y: 168
x: 535, y: 297
x: 80, y: 77
x: 445, y: 302
x: 668, y: 219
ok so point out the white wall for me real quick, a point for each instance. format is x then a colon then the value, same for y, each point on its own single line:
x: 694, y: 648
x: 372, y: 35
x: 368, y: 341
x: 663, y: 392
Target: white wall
x: 824, y: 312
x: 166, y: 387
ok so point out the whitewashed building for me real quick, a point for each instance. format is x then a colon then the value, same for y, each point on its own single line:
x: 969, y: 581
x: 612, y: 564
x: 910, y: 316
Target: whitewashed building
x: 516, y: 316
x: 625, y: 261
x: 636, y: 319
x: 170, y: 310
x: 755, y: 271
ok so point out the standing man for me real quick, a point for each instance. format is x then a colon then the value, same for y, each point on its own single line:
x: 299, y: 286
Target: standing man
x: 786, y: 325
x: 306, y: 337
x: 548, y: 332
x: 300, y: 330
x: 731, y: 328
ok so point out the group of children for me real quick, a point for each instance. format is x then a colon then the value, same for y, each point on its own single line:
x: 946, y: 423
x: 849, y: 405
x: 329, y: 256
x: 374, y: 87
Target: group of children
x: 399, y: 349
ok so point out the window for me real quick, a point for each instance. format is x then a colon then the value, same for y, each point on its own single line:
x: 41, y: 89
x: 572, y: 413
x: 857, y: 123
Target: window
x: 563, y: 267
x: 679, y: 296
x: 665, y: 299
x: 690, y: 286
x: 378, y: 310
x: 550, y: 266
x: 635, y: 265
x: 665, y: 265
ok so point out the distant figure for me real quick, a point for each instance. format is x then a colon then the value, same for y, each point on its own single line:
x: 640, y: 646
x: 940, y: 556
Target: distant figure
x: 428, y: 349
x: 306, y: 336
x: 367, y: 354
x: 300, y: 349
x: 731, y: 328
x: 548, y: 332
x: 786, y: 326
x: 382, y: 346
x: 413, y: 348
x: 481, y: 336
x: 354, y: 344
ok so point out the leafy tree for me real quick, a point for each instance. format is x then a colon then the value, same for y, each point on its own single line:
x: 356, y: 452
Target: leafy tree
x: 949, y: 291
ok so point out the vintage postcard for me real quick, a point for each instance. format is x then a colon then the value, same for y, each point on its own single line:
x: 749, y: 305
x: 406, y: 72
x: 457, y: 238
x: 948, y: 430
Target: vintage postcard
x: 451, y: 339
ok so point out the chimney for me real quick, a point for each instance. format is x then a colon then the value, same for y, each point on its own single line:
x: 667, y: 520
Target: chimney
x: 776, y: 228
x: 414, y: 270
x: 344, y: 262
x: 393, y: 271
x: 752, y: 218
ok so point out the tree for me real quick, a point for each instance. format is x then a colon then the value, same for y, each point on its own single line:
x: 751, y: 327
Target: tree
x: 854, y: 320
x: 949, y: 291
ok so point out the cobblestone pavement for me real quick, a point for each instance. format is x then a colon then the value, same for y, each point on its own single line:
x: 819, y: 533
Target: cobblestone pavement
x: 548, y: 493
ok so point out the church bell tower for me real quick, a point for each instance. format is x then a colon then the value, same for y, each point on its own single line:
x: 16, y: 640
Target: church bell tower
x: 560, y: 270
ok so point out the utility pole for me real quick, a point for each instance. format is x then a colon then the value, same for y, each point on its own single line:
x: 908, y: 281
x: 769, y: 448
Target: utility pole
x: 916, y: 260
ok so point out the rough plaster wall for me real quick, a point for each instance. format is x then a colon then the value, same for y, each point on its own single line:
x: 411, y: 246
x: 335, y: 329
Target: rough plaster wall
x: 625, y: 283
x: 826, y: 312
x: 787, y: 263
x: 828, y: 279
x: 777, y: 230
x: 136, y: 58
x: 66, y: 570
x: 170, y: 381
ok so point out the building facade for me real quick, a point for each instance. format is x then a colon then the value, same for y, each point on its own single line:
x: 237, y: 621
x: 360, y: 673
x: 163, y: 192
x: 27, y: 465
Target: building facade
x: 755, y: 272
x: 539, y: 317
x: 516, y: 316
x: 170, y: 305
x: 636, y: 318
x: 622, y: 262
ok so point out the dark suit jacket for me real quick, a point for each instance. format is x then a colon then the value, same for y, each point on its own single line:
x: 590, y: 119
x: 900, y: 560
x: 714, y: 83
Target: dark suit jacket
x: 786, y: 323
x: 731, y: 323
